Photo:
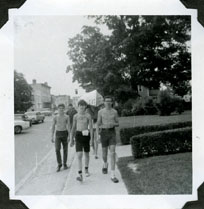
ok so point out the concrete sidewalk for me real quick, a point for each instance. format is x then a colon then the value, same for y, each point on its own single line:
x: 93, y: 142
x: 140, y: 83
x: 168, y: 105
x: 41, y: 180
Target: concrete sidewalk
x: 97, y: 183
x: 46, y: 181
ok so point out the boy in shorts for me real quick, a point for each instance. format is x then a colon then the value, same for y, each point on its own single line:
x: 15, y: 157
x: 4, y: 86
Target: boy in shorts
x: 81, y: 121
x: 107, y: 121
x: 60, y: 131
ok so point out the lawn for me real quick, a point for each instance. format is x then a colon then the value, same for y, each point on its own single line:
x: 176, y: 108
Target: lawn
x: 142, y: 120
x: 169, y: 174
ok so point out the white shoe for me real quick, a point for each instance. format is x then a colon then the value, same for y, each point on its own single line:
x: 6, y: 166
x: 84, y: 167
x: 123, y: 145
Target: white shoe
x: 87, y: 174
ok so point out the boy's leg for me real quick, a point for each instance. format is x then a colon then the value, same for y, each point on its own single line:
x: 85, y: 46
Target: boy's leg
x: 112, y: 157
x: 79, y: 152
x: 112, y: 145
x: 86, y: 159
x: 65, y: 152
x: 79, y: 158
x: 95, y: 145
x: 58, y: 154
x: 86, y: 148
x: 87, y: 163
x: 104, y: 144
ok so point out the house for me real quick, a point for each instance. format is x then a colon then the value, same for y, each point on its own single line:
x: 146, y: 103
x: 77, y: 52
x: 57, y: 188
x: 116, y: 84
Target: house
x: 146, y: 92
x: 41, y: 96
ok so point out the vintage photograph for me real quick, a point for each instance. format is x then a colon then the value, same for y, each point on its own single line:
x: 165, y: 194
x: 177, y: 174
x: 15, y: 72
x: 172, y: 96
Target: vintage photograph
x: 103, y: 105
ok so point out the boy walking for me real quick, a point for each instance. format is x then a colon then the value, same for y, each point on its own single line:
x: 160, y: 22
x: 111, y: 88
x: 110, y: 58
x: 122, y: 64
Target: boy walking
x: 81, y: 122
x: 60, y: 131
x: 107, y: 121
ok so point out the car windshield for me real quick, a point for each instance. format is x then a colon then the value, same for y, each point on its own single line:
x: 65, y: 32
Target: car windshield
x: 17, y: 117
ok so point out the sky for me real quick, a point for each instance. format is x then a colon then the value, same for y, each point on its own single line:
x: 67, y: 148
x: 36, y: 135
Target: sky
x: 41, y: 46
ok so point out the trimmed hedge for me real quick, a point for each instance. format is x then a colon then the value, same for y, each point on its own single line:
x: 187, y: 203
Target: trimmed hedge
x: 162, y: 142
x: 127, y: 133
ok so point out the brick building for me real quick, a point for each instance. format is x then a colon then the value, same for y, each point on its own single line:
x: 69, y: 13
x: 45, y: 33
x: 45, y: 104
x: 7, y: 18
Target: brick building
x: 41, y: 96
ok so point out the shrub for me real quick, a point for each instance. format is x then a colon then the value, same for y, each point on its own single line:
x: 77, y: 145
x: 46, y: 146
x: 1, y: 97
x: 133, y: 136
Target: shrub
x: 162, y: 142
x: 165, y: 103
x: 126, y: 112
x: 149, y: 106
x: 178, y: 104
x: 127, y: 133
x: 144, y: 106
x: 129, y: 104
x: 138, y: 108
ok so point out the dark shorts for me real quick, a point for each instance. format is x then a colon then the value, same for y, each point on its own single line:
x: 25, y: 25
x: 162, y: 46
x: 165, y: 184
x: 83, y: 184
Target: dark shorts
x: 108, y: 137
x: 82, y: 142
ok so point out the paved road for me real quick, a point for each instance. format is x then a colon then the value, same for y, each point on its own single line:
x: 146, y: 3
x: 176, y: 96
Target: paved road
x: 31, y: 146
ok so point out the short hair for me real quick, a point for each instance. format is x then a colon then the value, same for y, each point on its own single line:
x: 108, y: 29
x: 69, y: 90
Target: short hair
x: 70, y: 105
x: 82, y: 103
x: 61, y: 105
x: 108, y: 97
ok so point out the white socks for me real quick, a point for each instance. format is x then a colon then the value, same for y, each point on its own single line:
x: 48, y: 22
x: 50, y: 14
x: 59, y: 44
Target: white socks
x: 112, y: 173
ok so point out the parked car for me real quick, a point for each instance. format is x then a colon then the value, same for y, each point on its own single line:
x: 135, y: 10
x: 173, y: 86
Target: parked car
x: 20, y: 125
x: 46, y: 112
x: 23, y: 117
x: 35, y: 116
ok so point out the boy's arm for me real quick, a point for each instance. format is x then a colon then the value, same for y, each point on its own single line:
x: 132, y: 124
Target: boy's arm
x: 68, y: 124
x: 68, y: 127
x: 99, y: 122
x: 53, y: 129
x: 116, y: 119
x: 91, y: 128
x: 73, y: 130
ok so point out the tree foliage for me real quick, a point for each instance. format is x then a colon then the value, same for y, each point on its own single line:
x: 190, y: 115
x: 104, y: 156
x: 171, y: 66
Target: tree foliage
x: 22, y: 93
x: 140, y: 50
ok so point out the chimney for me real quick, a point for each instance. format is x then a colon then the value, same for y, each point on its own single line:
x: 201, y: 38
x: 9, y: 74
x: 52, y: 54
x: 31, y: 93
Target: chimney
x: 46, y: 83
x: 34, y: 81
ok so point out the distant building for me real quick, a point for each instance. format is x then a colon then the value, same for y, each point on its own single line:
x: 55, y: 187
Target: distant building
x: 146, y: 92
x: 75, y: 100
x: 41, y: 96
x: 62, y: 99
x: 5, y: 201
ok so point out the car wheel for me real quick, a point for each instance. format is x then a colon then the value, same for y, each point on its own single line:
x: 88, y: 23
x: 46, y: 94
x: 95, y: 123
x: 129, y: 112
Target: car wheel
x: 17, y: 129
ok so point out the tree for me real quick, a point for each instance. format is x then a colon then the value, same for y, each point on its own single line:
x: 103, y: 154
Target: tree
x: 141, y: 50
x: 22, y: 93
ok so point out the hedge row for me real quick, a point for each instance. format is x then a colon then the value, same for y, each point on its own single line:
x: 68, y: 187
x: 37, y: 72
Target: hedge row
x: 162, y: 142
x: 127, y: 133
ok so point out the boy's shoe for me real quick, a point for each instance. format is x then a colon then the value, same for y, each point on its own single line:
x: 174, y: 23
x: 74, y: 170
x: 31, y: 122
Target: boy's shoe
x: 96, y: 157
x: 79, y: 178
x: 114, y: 179
x: 59, y: 167
x: 104, y: 170
x: 65, y: 167
x: 87, y: 174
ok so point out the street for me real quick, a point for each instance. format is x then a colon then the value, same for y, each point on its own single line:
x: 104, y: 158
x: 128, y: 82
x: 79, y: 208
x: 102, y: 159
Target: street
x: 31, y: 146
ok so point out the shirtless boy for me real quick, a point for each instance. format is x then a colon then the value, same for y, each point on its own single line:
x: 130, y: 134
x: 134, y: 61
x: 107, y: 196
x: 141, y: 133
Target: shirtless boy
x: 60, y: 131
x: 107, y: 121
x: 81, y: 122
